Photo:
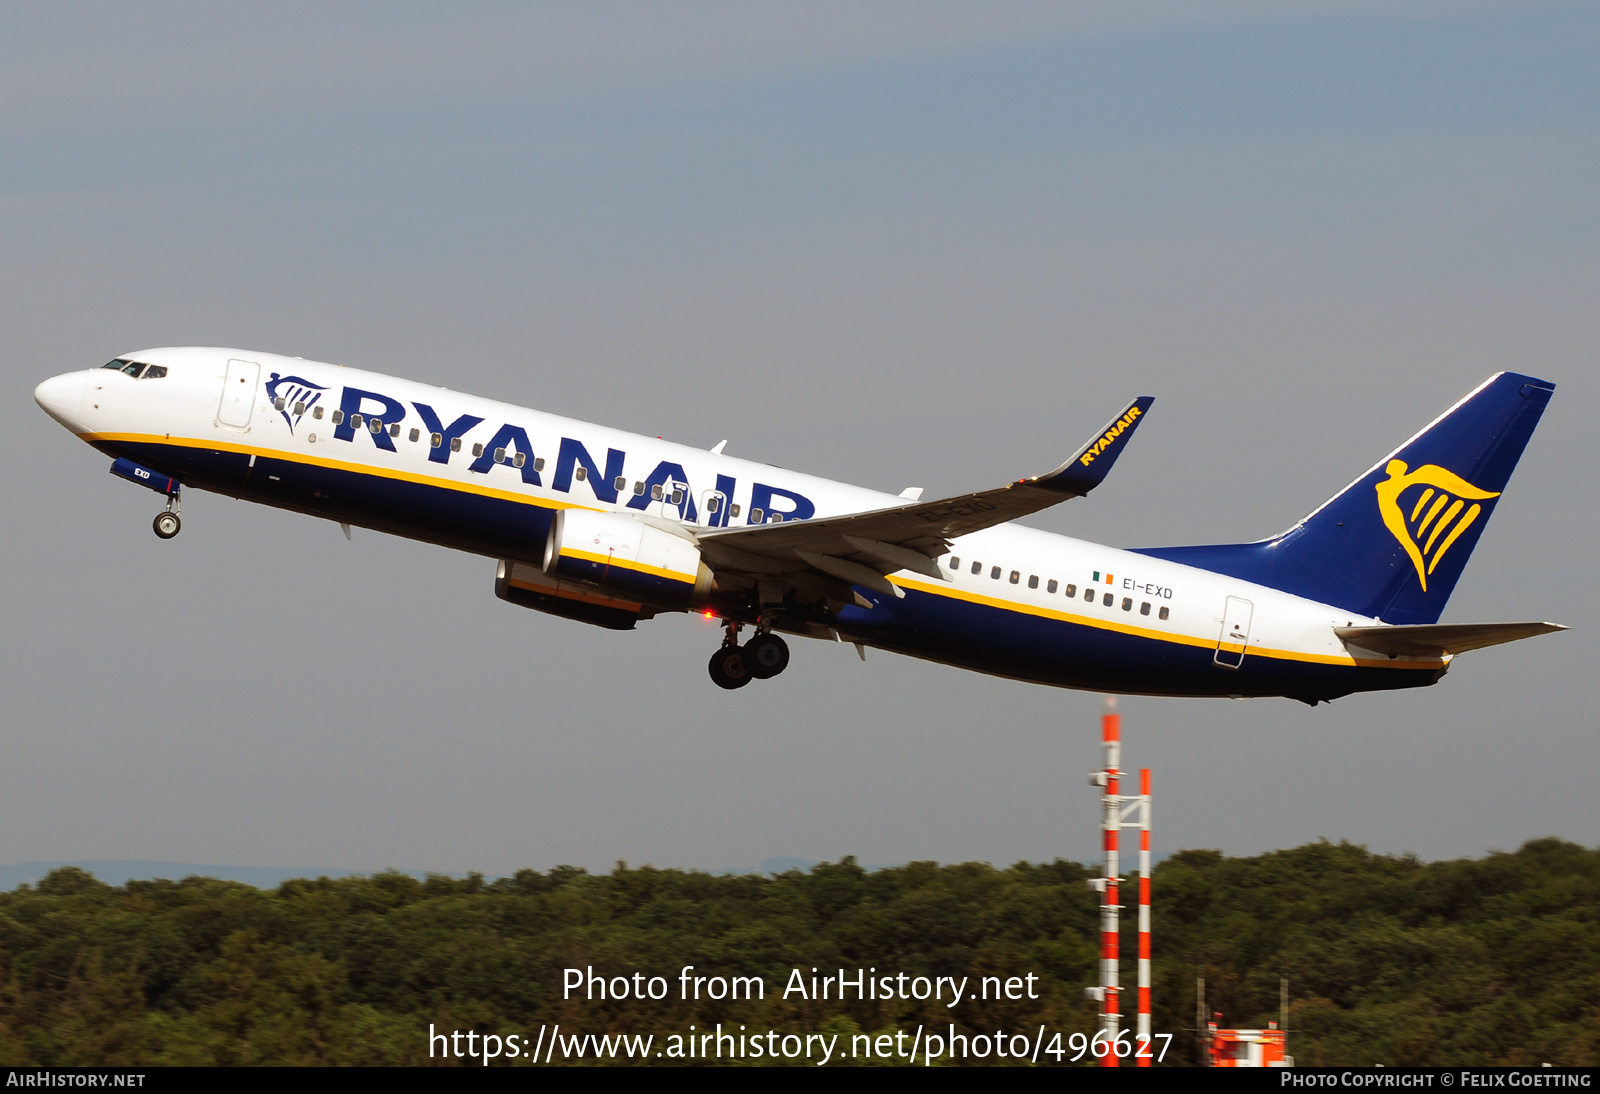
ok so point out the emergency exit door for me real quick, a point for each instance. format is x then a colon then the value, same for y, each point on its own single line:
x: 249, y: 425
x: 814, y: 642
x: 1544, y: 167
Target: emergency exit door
x: 1235, y: 634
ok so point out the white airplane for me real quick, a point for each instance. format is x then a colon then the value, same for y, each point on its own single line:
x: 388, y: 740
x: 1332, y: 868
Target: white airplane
x: 610, y: 528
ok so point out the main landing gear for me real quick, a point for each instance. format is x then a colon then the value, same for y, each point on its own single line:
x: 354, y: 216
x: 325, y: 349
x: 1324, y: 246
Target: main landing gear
x: 167, y: 523
x: 761, y: 658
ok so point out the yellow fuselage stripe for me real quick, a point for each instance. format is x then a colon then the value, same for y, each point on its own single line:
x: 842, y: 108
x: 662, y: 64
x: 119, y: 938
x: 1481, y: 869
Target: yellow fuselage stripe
x: 943, y: 589
x: 934, y: 588
x: 335, y: 465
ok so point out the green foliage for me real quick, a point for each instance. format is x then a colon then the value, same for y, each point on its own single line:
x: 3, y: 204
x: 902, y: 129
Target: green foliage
x: 1389, y: 960
x: 1488, y: 961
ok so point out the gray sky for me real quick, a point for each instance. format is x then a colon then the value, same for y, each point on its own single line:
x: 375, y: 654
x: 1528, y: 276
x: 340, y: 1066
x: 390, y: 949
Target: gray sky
x: 895, y: 244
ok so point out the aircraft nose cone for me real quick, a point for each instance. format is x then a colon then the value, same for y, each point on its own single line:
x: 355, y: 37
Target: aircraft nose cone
x: 61, y: 397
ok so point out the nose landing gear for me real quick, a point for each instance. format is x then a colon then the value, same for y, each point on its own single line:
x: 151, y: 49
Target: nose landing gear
x: 167, y: 523
x: 761, y: 658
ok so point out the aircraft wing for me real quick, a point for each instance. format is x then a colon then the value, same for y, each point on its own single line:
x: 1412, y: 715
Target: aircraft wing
x: 860, y: 548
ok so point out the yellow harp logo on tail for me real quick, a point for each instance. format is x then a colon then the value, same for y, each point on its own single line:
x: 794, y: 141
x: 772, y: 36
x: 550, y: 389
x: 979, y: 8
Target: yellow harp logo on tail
x: 1427, y: 523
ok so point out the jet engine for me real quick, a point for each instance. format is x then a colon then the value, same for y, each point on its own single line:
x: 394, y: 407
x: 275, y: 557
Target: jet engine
x: 625, y: 555
x: 530, y: 587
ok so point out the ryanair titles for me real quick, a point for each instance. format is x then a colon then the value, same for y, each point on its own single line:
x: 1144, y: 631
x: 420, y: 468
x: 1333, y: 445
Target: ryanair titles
x: 379, y: 416
x: 1123, y: 423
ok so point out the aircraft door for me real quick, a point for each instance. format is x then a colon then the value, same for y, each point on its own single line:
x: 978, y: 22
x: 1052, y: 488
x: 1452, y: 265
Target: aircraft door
x: 714, y: 509
x: 1235, y: 634
x: 238, y: 394
x: 676, y: 501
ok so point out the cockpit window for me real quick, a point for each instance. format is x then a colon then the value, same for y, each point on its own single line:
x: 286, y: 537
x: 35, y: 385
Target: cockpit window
x: 137, y: 369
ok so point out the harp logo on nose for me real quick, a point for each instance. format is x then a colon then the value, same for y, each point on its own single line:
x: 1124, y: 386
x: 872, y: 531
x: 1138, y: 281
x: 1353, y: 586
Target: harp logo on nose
x: 298, y: 395
x: 1427, y: 510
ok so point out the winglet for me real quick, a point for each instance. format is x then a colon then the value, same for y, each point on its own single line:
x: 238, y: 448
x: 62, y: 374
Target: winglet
x: 1089, y: 467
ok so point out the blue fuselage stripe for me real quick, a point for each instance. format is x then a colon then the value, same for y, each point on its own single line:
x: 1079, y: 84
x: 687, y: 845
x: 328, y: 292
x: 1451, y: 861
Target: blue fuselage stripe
x: 983, y: 637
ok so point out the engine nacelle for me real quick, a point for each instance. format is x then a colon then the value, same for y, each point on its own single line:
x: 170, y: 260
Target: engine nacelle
x: 624, y: 555
x: 530, y: 587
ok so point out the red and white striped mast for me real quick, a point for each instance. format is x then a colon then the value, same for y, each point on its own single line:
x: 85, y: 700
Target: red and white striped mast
x: 1115, y: 809
x: 1111, y: 822
x: 1142, y: 1042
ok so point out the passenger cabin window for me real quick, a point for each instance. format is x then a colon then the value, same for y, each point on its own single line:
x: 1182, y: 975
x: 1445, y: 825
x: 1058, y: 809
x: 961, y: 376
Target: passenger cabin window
x: 1144, y: 609
x: 355, y: 421
x: 733, y: 510
x: 1016, y: 576
x: 1070, y: 590
x: 756, y: 515
x: 1163, y: 613
x: 677, y: 497
x: 435, y: 440
x: 477, y: 449
x: 1127, y: 603
x: 338, y: 416
x: 1050, y: 588
x: 655, y: 492
x: 538, y: 464
x: 1107, y: 600
x: 713, y: 503
x: 776, y: 518
x: 156, y: 372
x: 316, y: 412
x: 520, y: 460
x: 1088, y: 594
x: 977, y: 567
x: 394, y: 431
x: 994, y: 573
x: 620, y: 484
x: 955, y: 563
x: 375, y: 426
x: 415, y: 435
x: 1033, y: 581
x: 455, y: 444
x: 279, y: 403
x: 499, y: 455
x: 638, y: 488
x: 581, y: 473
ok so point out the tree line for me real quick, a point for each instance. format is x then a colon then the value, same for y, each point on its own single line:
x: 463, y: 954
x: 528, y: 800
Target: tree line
x: 1389, y: 959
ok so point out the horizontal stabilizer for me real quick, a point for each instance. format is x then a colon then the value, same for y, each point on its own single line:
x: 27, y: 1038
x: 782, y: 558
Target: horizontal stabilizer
x: 1433, y: 639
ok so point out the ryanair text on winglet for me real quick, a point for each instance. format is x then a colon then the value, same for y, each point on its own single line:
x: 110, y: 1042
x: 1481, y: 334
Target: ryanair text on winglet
x: 1112, y: 434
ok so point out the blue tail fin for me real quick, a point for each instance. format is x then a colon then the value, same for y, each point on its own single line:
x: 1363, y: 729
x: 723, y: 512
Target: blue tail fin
x: 1392, y: 544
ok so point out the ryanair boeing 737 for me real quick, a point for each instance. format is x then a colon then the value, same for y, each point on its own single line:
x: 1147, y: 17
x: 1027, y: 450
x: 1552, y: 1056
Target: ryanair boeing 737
x: 610, y: 528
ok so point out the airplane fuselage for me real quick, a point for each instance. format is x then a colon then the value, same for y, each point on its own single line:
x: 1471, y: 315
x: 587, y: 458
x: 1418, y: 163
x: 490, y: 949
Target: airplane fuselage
x: 413, y: 460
